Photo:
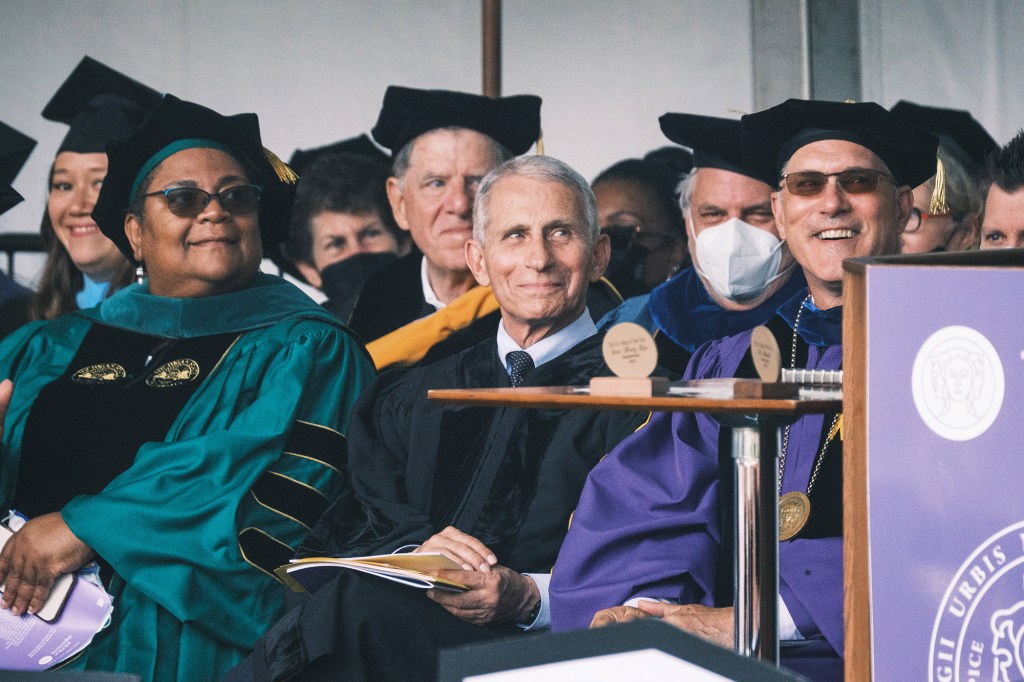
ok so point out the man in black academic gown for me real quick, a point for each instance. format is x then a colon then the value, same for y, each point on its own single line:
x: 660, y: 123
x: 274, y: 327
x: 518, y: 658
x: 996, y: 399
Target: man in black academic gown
x: 491, y: 488
x: 442, y: 143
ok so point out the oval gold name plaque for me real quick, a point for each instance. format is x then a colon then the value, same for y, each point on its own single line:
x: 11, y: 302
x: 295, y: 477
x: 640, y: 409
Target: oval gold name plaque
x: 629, y: 351
x: 765, y: 351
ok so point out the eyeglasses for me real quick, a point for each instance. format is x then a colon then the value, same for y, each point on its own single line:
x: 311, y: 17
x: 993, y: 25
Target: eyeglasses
x: 852, y: 181
x: 189, y: 202
x: 917, y: 217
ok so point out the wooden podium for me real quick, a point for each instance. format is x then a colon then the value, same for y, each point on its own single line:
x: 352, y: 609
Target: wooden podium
x: 934, y: 467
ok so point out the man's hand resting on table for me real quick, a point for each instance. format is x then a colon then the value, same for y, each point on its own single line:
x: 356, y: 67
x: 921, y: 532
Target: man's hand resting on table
x: 714, y: 625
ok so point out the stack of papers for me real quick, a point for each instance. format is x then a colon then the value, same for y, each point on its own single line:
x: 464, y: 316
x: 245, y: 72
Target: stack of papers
x: 411, y: 569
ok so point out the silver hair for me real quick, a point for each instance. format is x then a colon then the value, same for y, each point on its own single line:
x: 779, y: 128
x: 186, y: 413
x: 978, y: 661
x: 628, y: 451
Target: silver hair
x: 685, y: 190
x: 400, y: 164
x: 545, y: 168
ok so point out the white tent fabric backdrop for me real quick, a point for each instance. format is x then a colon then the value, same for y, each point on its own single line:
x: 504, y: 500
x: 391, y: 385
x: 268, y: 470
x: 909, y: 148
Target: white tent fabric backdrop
x: 315, y: 70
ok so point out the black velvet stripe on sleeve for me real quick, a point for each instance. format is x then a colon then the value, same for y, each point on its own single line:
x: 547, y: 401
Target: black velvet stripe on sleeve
x: 263, y: 551
x: 318, y: 443
x: 288, y: 497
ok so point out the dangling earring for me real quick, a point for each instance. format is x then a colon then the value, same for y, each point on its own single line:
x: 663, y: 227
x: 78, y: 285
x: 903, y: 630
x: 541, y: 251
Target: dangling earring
x: 140, y: 273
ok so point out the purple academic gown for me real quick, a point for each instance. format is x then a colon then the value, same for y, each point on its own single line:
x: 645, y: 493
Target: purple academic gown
x: 648, y: 520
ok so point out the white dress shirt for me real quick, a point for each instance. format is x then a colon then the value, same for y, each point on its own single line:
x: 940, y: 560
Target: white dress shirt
x: 428, y: 291
x: 550, y: 347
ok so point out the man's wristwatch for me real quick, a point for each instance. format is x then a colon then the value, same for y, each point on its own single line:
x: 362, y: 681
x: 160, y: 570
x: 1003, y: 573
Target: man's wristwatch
x: 532, y: 616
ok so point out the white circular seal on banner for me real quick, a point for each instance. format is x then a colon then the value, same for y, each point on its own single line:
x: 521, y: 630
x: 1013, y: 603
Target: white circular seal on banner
x: 979, y: 628
x: 958, y: 383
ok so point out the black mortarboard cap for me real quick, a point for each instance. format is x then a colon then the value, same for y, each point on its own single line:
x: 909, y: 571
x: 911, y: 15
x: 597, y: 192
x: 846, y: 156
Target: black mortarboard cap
x: 958, y: 132
x: 175, y: 120
x: 408, y: 113
x: 770, y: 137
x: 302, y: 158
x: 716, y: 142
x: 99, y: 104
x: 8, y: 198
x: 14, y: 150
x: 676, y: 161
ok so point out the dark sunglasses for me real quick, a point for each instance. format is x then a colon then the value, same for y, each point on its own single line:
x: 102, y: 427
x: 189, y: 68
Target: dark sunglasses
x: 189, y: 202
x: 852, y: 181
x: 623, y: 237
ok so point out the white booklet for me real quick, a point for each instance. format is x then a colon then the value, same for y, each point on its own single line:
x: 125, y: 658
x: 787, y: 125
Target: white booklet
x: 76, y: 609
x: 412, y: 569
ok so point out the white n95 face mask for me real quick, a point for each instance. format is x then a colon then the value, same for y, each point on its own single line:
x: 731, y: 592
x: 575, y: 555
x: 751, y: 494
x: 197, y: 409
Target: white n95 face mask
x: 738, y: 260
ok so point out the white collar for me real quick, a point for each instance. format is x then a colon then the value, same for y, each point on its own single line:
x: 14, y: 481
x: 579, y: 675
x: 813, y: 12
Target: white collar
x: 428, y: 292
x: 550, y: 347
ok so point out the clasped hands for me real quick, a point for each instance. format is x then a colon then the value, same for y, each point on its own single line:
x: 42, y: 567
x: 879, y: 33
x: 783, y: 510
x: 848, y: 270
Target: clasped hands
x: 496, y: 594
x: 713, y: 624
x: 35, y: 556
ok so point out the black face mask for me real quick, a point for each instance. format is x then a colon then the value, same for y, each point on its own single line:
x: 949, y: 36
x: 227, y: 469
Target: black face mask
x: 626, y: 271
x: 343, y: 280
x: 626, y: 266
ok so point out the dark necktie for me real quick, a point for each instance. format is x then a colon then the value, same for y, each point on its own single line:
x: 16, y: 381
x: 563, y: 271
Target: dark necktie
x: 520, y: 363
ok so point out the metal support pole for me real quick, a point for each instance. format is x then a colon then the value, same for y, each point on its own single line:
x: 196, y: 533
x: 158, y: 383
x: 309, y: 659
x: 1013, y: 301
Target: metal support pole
x: 756, y: 459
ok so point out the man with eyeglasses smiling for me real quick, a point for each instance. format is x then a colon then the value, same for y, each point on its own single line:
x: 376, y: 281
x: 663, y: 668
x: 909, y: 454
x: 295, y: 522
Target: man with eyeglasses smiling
x: 842, y: 194
x: 651, y: 536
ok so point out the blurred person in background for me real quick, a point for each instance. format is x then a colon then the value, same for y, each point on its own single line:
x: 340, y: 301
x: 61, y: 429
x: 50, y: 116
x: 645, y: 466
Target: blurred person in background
x: 740, y: 271
x: 82, y: 265
x: 963, y: 146
x: 637, y: 209
x: 1003, y: 225
x: 443, y: 143
x: 342, y: 229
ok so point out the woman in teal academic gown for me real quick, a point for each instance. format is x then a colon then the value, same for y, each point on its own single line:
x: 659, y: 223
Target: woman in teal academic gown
x: 186, y: 432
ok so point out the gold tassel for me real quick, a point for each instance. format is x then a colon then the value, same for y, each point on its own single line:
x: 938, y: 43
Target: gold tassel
x: 938, y: 204
x: 284, y: 172
x: 540, y: 144
x: 837, y: 428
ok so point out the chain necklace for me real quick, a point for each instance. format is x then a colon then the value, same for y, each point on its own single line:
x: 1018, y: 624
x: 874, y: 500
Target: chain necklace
x: 795, y: 507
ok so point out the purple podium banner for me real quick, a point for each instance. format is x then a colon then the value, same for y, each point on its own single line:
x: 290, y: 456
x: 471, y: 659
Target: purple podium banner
x: 945, y: 424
